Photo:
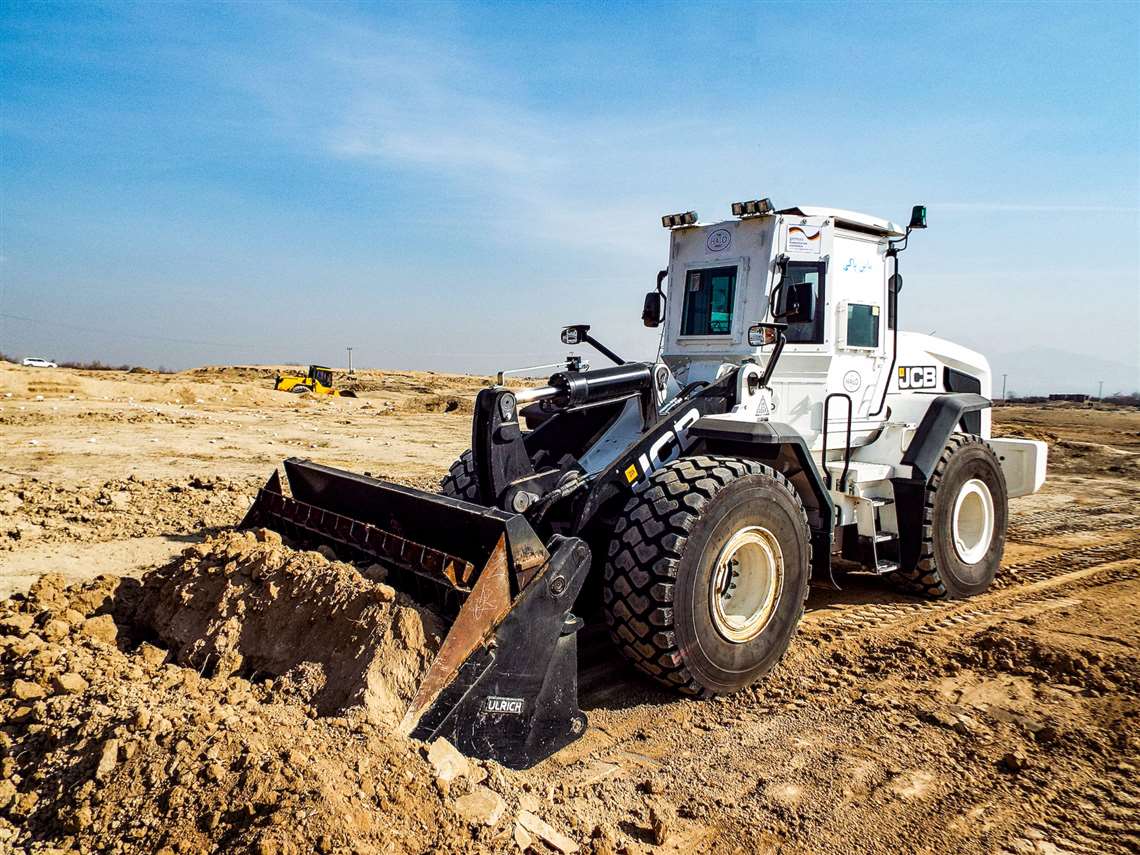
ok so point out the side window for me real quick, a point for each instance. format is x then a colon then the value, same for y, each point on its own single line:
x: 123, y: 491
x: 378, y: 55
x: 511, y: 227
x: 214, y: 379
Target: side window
x: 862, y: 326
x: 709, y: 296
x: 806, y: 279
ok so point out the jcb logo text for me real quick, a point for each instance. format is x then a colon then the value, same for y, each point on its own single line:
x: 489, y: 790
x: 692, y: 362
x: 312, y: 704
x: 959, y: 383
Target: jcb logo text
x: 918, y: 376
x: 665, y: 448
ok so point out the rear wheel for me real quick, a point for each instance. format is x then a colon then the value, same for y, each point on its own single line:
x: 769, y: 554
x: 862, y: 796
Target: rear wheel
x: 459, y: 482
x: 964, y: 523
x: 707, y: 573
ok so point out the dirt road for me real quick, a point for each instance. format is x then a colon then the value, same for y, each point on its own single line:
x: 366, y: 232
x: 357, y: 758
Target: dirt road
x: 1004, y: 723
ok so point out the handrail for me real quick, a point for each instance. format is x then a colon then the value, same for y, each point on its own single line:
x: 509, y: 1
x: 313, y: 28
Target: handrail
x: 847, y: 453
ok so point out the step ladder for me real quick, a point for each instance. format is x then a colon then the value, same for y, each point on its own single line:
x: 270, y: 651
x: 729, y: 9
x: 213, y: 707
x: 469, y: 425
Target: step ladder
x: 874, y: 538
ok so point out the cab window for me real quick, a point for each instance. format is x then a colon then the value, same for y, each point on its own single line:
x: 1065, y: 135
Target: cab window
x: 804, y: 284
x: 709, y: 296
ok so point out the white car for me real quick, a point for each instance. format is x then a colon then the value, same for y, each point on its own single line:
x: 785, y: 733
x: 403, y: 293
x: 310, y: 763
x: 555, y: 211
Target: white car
x: 36, y: 362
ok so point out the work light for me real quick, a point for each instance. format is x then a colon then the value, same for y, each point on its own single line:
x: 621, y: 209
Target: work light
x: 673, y: 221
x: 754, y: 208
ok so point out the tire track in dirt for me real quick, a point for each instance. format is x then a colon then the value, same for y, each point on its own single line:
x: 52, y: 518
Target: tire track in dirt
x: 1114, y: 801
x: 1018, y: 580
x: 1087, y: 518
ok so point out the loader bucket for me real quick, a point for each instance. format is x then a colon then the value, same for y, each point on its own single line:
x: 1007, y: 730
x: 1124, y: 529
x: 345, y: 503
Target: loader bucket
x: 504, y: 683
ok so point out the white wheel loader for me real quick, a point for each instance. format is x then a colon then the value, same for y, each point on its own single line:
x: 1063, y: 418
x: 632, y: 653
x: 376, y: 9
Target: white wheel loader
x: 788, y: 432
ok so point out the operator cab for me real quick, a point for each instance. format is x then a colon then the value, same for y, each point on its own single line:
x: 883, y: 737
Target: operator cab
x: 320, y: 374
x: 821, y: 271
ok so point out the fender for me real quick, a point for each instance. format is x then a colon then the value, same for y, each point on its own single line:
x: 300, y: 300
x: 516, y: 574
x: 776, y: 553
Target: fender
x: 784, y: 449
x: 943, y: 415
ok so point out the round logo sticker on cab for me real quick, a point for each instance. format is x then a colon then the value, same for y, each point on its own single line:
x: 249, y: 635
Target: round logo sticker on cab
x: 718, y: 240
x: 852, y: 381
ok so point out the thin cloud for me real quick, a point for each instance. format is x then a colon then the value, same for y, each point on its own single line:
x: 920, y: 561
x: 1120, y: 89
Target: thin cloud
x: 1030, y: 208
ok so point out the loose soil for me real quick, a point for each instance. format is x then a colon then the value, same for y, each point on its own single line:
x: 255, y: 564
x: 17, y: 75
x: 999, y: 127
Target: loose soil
x: 222, y: 692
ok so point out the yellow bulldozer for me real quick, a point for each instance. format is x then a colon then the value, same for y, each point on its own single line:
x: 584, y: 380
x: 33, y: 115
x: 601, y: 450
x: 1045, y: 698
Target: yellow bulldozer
x: 318, y: 381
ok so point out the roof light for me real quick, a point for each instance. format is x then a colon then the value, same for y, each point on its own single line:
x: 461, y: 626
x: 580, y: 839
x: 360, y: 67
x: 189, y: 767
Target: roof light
x: 673, y: 221
x: 755, y: 208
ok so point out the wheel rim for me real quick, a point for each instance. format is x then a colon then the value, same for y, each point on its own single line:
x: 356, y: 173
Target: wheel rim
x: 746, y: 584
x: 973, y: 526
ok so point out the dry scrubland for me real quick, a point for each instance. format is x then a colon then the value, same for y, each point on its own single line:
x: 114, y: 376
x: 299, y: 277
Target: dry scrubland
x: 168, y: 685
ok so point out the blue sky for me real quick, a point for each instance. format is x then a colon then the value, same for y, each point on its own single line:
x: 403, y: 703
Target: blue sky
x: 445, y: 185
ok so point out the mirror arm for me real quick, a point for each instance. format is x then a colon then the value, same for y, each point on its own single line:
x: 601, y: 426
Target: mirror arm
x: 894, y: 247
x: 770, y: 368
x: 661, y: 274
x: 778, y: 287
x: 605, y: 351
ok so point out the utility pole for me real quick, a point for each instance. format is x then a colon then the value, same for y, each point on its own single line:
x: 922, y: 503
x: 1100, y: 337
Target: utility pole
x: 1100, y: 392
x: 1003, y: 386
x: 349, y: 349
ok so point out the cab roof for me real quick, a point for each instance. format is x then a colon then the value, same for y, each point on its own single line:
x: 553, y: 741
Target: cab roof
x: 849, y: 219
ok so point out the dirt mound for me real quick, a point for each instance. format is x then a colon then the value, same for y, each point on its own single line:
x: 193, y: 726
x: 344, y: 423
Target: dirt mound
x: 1093, y: 457
x: 437, y: 404
x: 111, y: 742
x: 245, y: 604
x: 112, y: 749
x: 239, y: 372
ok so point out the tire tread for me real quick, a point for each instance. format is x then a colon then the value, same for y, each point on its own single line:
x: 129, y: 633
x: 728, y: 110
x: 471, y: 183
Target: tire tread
x: 460, y: 482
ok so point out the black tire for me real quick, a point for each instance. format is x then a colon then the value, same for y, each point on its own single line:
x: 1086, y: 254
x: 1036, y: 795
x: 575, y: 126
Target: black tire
x: 941, y: 572
x: 459, y: 482
x: 300, y: 390
x: 657, y: 590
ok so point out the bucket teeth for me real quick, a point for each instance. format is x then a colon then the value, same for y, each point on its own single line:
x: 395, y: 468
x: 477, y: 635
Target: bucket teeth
x: 296, y: 518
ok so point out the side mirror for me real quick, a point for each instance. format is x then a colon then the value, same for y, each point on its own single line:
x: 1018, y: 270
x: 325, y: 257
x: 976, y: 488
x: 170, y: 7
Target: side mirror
x: 575, y: 334
x: 653, y: 310
x: 894, y: 284
x: 800, y: 306
x: 762, y: 334
x: 917, y: 217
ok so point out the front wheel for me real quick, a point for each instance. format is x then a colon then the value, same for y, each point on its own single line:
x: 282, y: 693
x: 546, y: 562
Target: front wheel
x: 707, y: 573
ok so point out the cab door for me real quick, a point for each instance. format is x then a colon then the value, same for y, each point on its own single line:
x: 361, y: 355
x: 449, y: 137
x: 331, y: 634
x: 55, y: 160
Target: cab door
x: 859, y: 367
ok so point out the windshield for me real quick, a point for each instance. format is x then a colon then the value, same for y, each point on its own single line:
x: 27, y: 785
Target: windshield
x: 709, y: 297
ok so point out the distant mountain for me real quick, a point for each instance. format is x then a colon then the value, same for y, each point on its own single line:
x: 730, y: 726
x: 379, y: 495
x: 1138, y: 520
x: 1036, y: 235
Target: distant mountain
x: 1042, y: 370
